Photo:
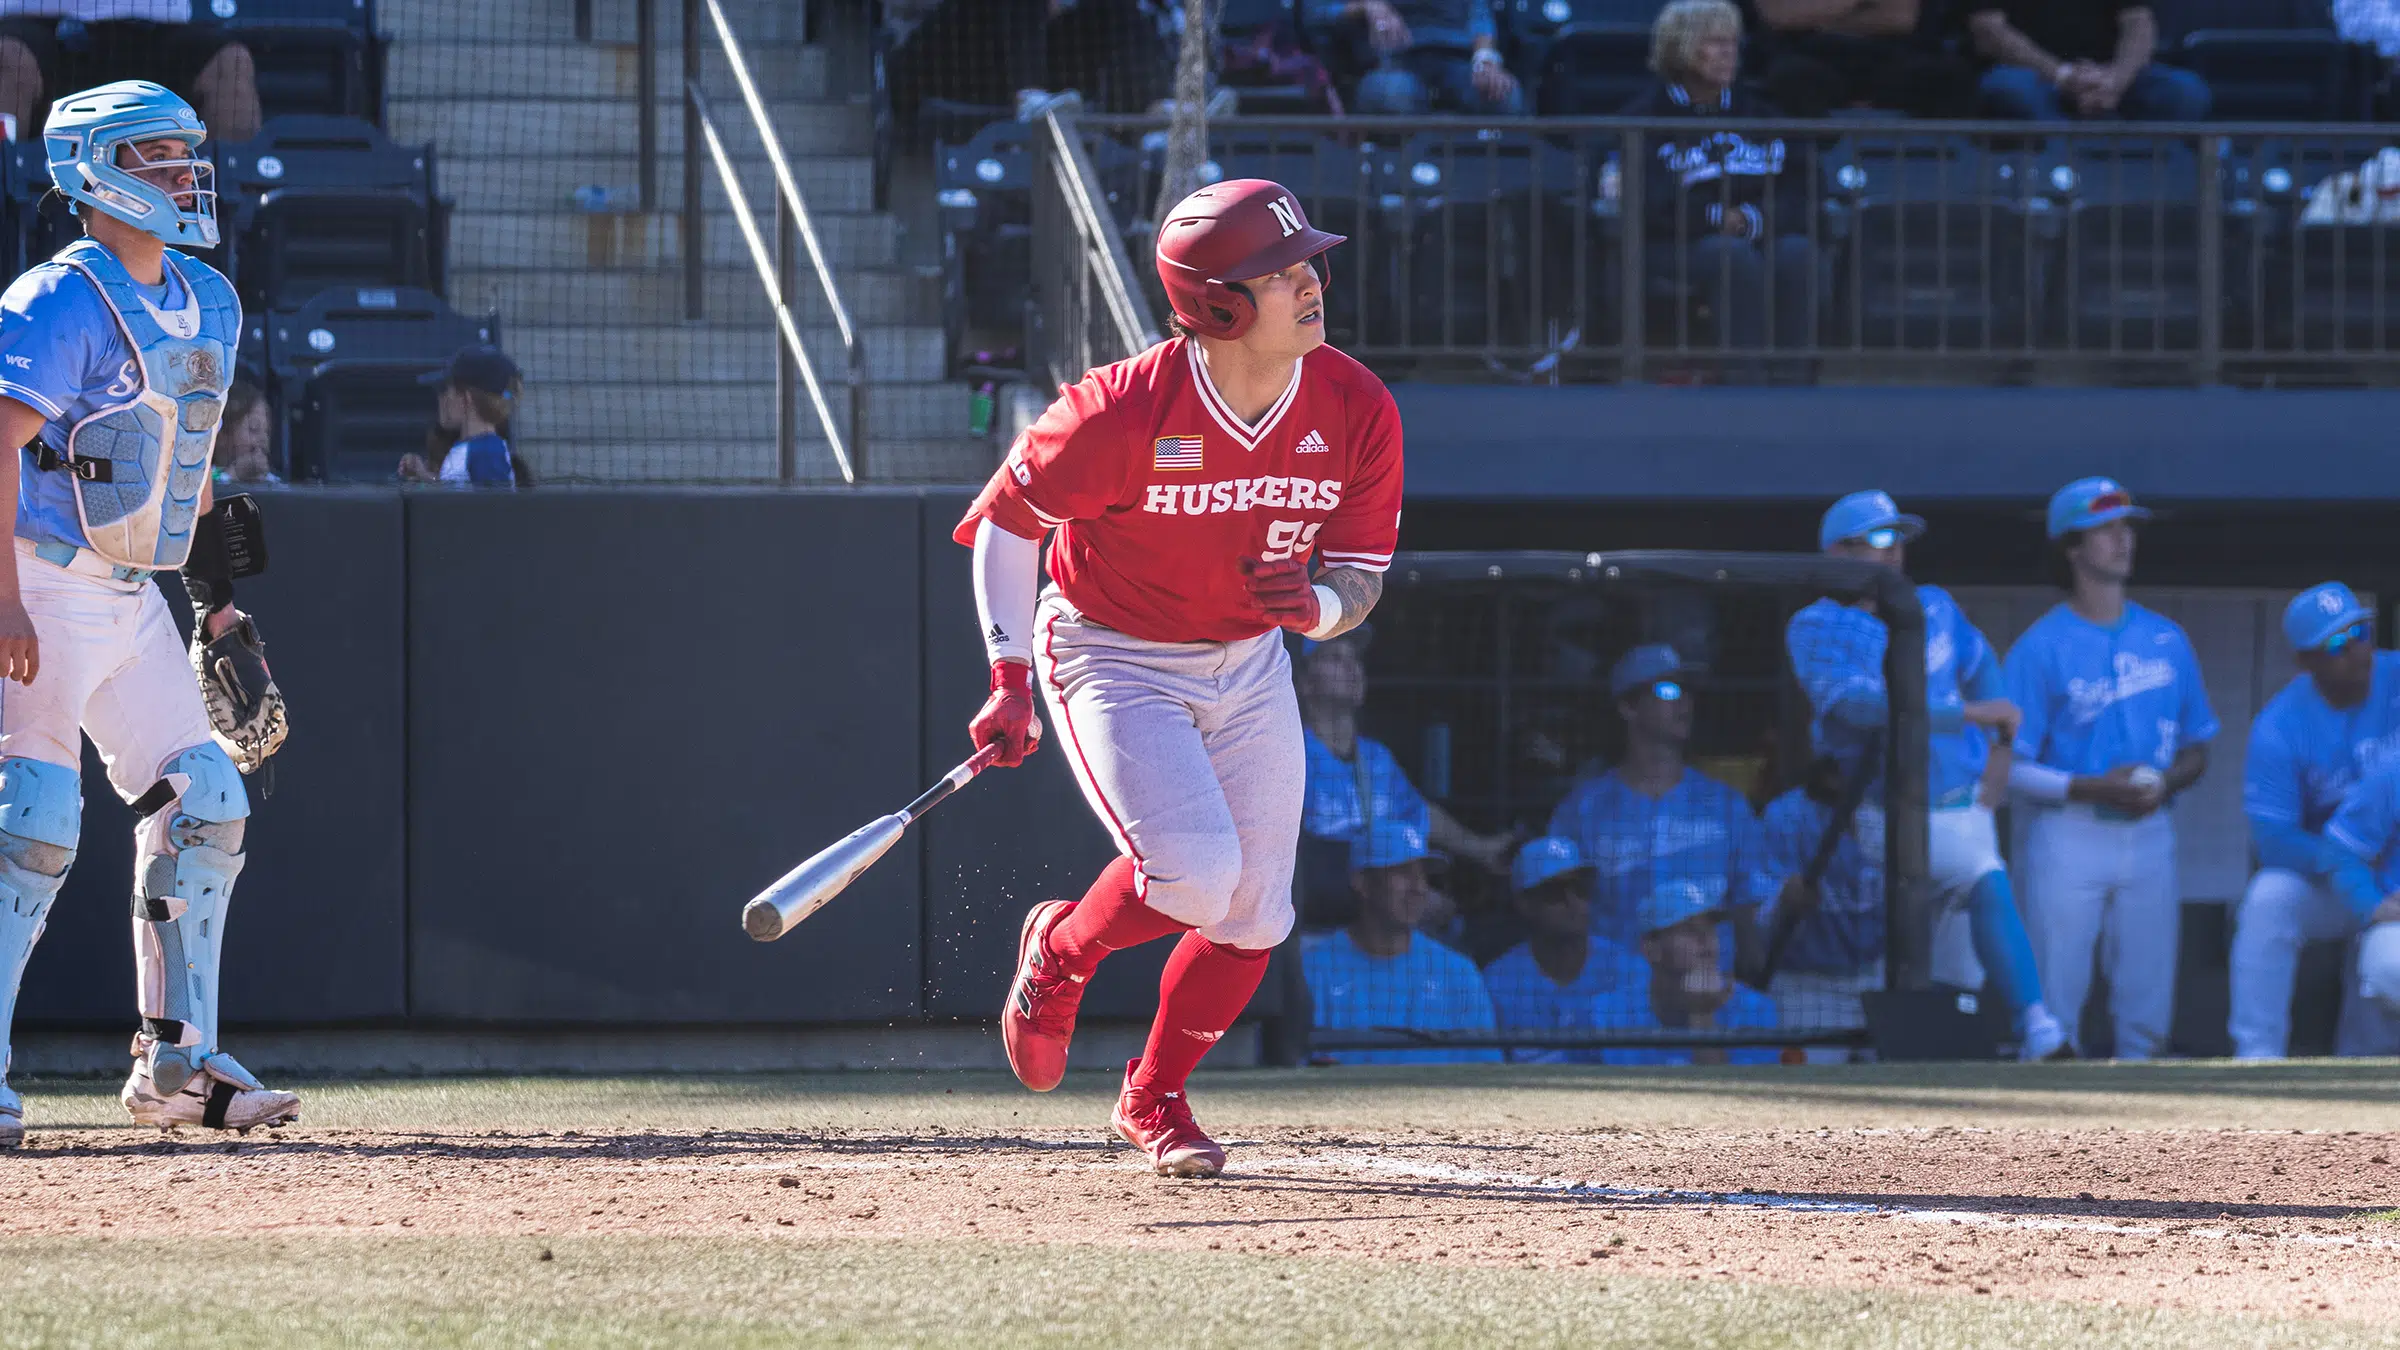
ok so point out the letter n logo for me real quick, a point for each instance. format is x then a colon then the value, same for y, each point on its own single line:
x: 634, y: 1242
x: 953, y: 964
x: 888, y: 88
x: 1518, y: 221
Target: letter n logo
x: 1286, y: 215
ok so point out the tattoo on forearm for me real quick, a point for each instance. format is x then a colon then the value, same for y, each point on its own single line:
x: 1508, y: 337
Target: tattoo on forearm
x: 1358, y: 589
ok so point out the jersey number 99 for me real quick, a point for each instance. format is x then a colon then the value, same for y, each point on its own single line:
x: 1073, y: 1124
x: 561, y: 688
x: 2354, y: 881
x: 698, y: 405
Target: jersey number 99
x: 1288, y: 537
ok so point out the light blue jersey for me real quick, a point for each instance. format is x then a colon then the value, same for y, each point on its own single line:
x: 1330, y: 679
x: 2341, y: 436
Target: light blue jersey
x: 63, y: 355
x: 1523, y: 998
x: 1426, y: 988
x: 1699, y: 833
x: 1845, y: 935
x: 2095, y: 698
x: 1331, y: 807
x: 2362, y: 851
x: 1628, y: 1005
x: 2305, y: 756
x: 1837, y: 652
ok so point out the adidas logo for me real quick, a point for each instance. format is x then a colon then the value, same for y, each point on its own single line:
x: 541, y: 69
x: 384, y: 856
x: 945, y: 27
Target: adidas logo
x: 1312, y: 444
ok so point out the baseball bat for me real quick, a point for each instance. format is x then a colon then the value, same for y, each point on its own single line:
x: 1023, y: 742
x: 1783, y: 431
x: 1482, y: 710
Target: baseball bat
x: 1845, y: 808
x: 805, y: 889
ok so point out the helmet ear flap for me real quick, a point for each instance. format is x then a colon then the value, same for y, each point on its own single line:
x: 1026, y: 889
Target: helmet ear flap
x: 1233, y: 308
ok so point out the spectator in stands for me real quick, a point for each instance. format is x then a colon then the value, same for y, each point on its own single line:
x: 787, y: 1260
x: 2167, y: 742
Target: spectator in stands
x: 1261, y: 52
x: 2055, y: 59
x: 1824, y: 55
x: 246, y: 440
x: 1727, y: 224
x: 478, y: 396
x: 1555, y: 980
x: 2335, y: 724
x: 1652, y: 821
x: 2373, y: 22
x: 49, y: 47
x: 1442, y: 55
x: 1835, y: 952
x: 1681, y: 983
x: 1346, y: 770
x: 1380, y: 971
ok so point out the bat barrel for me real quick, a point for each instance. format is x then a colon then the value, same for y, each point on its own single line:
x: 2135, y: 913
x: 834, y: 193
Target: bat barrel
x: 806, y: 888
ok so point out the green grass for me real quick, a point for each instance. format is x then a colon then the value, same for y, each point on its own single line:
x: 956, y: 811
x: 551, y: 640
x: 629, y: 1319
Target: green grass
x: 2318, y: 1095
x: 432, y: 1292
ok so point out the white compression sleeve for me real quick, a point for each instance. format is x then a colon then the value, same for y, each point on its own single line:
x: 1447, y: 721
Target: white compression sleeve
x: 1008, y: 573
x: 2039, y: 781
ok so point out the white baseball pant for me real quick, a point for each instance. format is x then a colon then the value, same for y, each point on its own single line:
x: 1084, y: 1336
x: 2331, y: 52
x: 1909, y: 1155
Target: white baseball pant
x: 2105, y: 886
x: 1962, y: 848
x: 1190, y: 753
x: 2280, y: 912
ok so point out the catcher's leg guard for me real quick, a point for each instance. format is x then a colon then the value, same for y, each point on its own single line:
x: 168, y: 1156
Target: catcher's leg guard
x: 187, y: 852
x: 41, y: 813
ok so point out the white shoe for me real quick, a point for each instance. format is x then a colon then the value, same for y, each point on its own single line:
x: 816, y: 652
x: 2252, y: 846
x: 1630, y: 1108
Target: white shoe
x: 224, y: 1096
x: 2044, y: 1037
x: 12, y: 1119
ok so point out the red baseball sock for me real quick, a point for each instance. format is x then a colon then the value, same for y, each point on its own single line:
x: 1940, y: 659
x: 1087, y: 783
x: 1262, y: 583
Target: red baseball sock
x: 1110, y: 917
x: 1204, y: 988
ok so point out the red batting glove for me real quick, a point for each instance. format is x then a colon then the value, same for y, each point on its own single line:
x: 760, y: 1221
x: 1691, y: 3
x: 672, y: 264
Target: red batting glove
x: 1283, y: 593
x: 1007, y: 719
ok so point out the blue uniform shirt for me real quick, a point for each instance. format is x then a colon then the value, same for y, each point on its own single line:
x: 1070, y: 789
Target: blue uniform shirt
x: 1845, y: 935
x: 1628, y: 1005
x: 2305, y: 756
x: 1700, y: 832
x: 1426, y: 988
x: 2362, y: 842
x: 1330, y: 809
x: 1525, y: 998
x: 63, y: 355
x: 2095, y: 698
x: 1837, y: 652
x: 481, y: 460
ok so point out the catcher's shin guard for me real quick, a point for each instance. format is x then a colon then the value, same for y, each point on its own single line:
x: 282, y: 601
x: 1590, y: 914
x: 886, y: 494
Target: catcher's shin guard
x: 41, y: 813
x: 187, y: 853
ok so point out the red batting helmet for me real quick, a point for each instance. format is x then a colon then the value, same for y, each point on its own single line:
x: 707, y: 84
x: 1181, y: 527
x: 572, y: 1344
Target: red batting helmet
x: 1225, y: 234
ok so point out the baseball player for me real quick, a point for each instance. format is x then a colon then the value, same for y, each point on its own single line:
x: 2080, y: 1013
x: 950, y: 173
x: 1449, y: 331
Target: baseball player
x: 1837, y: 653
x: 1836, y: 953
x: 2116, y: 723
x: 2361, y: 856
x: 1378, y: 972
x: 1681, y: 983
x: 114, y: 361
x: 2334, y: 724
x: 1190, y: 489
x: 1558, y: 977
x: 1652, y: 819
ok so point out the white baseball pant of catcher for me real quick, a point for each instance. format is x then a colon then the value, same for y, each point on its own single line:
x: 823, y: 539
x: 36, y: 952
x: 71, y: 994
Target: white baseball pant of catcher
x: 1191, y: 755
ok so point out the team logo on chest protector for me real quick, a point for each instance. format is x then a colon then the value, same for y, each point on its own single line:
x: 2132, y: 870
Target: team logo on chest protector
x: 140, y: 465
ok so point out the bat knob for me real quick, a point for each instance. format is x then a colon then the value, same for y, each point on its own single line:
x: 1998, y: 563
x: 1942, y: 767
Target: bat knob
x: 761, y: 921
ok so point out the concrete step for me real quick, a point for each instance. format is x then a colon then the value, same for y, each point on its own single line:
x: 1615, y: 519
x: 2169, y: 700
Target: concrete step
x: 733, y: 295
x: 754, y: 21
x: 827, y: 183
x: 566, y: 410
x: 650, y: 240
x: 417, y: 68
x: 703, y: 354
x: 961, y: 460
x: 532, y: 127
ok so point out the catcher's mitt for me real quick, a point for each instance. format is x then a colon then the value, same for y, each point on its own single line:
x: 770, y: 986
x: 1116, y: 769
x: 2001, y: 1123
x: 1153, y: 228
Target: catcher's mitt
x: 244, y: 705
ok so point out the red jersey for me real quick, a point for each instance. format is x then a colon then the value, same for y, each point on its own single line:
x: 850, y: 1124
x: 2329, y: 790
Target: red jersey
x: 1157, y: 489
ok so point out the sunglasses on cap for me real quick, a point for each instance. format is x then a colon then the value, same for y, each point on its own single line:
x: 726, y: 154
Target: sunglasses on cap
x: 2356, y: 632
x: 1882, y: 538
x: 1666, y: 691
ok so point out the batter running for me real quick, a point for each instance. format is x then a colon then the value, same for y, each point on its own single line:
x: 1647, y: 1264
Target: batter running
x: 1189, y: 488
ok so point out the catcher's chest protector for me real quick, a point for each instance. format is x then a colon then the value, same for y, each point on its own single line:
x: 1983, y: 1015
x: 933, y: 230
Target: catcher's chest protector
x: 138, y: 511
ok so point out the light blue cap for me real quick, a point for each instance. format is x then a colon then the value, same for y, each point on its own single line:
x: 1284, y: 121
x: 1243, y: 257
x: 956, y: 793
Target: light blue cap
x: 1545, y: 859
x: 1643, y: 665
x: 2319, y: 612
x: 2088, y: 502
x: 1387, y: 843
x: 1670, y: 903
x: 1861, y: 512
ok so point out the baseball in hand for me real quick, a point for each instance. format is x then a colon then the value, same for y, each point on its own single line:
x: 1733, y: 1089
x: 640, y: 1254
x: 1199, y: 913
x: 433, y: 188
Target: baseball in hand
x: 2147, y: 778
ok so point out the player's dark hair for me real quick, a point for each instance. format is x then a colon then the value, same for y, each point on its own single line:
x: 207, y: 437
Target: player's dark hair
x: 2059, y: 565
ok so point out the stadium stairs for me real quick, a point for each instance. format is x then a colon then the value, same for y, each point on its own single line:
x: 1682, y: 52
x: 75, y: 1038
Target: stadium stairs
x: 619, y: 386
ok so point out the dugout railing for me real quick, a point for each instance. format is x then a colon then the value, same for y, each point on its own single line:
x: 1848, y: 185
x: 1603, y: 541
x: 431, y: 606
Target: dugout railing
x: 1999, y: 252
x: 1474, y: 658
x: 1091, y: 307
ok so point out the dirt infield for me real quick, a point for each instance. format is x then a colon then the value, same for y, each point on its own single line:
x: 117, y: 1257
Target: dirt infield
x: 2265, y: 1220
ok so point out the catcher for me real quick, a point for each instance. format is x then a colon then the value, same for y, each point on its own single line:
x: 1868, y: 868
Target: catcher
x: 115, y: 357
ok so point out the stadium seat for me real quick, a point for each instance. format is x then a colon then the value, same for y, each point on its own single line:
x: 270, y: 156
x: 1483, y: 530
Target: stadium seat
x: 346, y: 367
x: 313, y: 56
x: 2130, y: 278
x: 318, y: 202
x: 1489, y: 237
x: 1935, y: 243
x: 985, y: 188
x: 2323, y: 288
x: 1592, y: 70
x: 1340, y: 186
x: 2178, y: 19
x: 2299, y: 76
x: 1529, y: 28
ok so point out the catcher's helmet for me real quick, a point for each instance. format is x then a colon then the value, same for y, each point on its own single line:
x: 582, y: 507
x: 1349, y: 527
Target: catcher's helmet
x: 81, y: 139
x: 1225, y: 234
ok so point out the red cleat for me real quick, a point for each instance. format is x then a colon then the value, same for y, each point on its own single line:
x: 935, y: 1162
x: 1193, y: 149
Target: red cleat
x: 1161, y: 1125
x: 1039, y: 1020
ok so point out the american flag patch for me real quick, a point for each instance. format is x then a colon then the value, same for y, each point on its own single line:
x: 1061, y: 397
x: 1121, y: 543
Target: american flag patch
x: 1175, y: 454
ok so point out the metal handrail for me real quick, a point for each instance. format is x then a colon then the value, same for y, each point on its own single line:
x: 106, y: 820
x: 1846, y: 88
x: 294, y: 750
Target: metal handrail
x: 792, y: 216
x: 1083, y: 259
x: 1128, y: 305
